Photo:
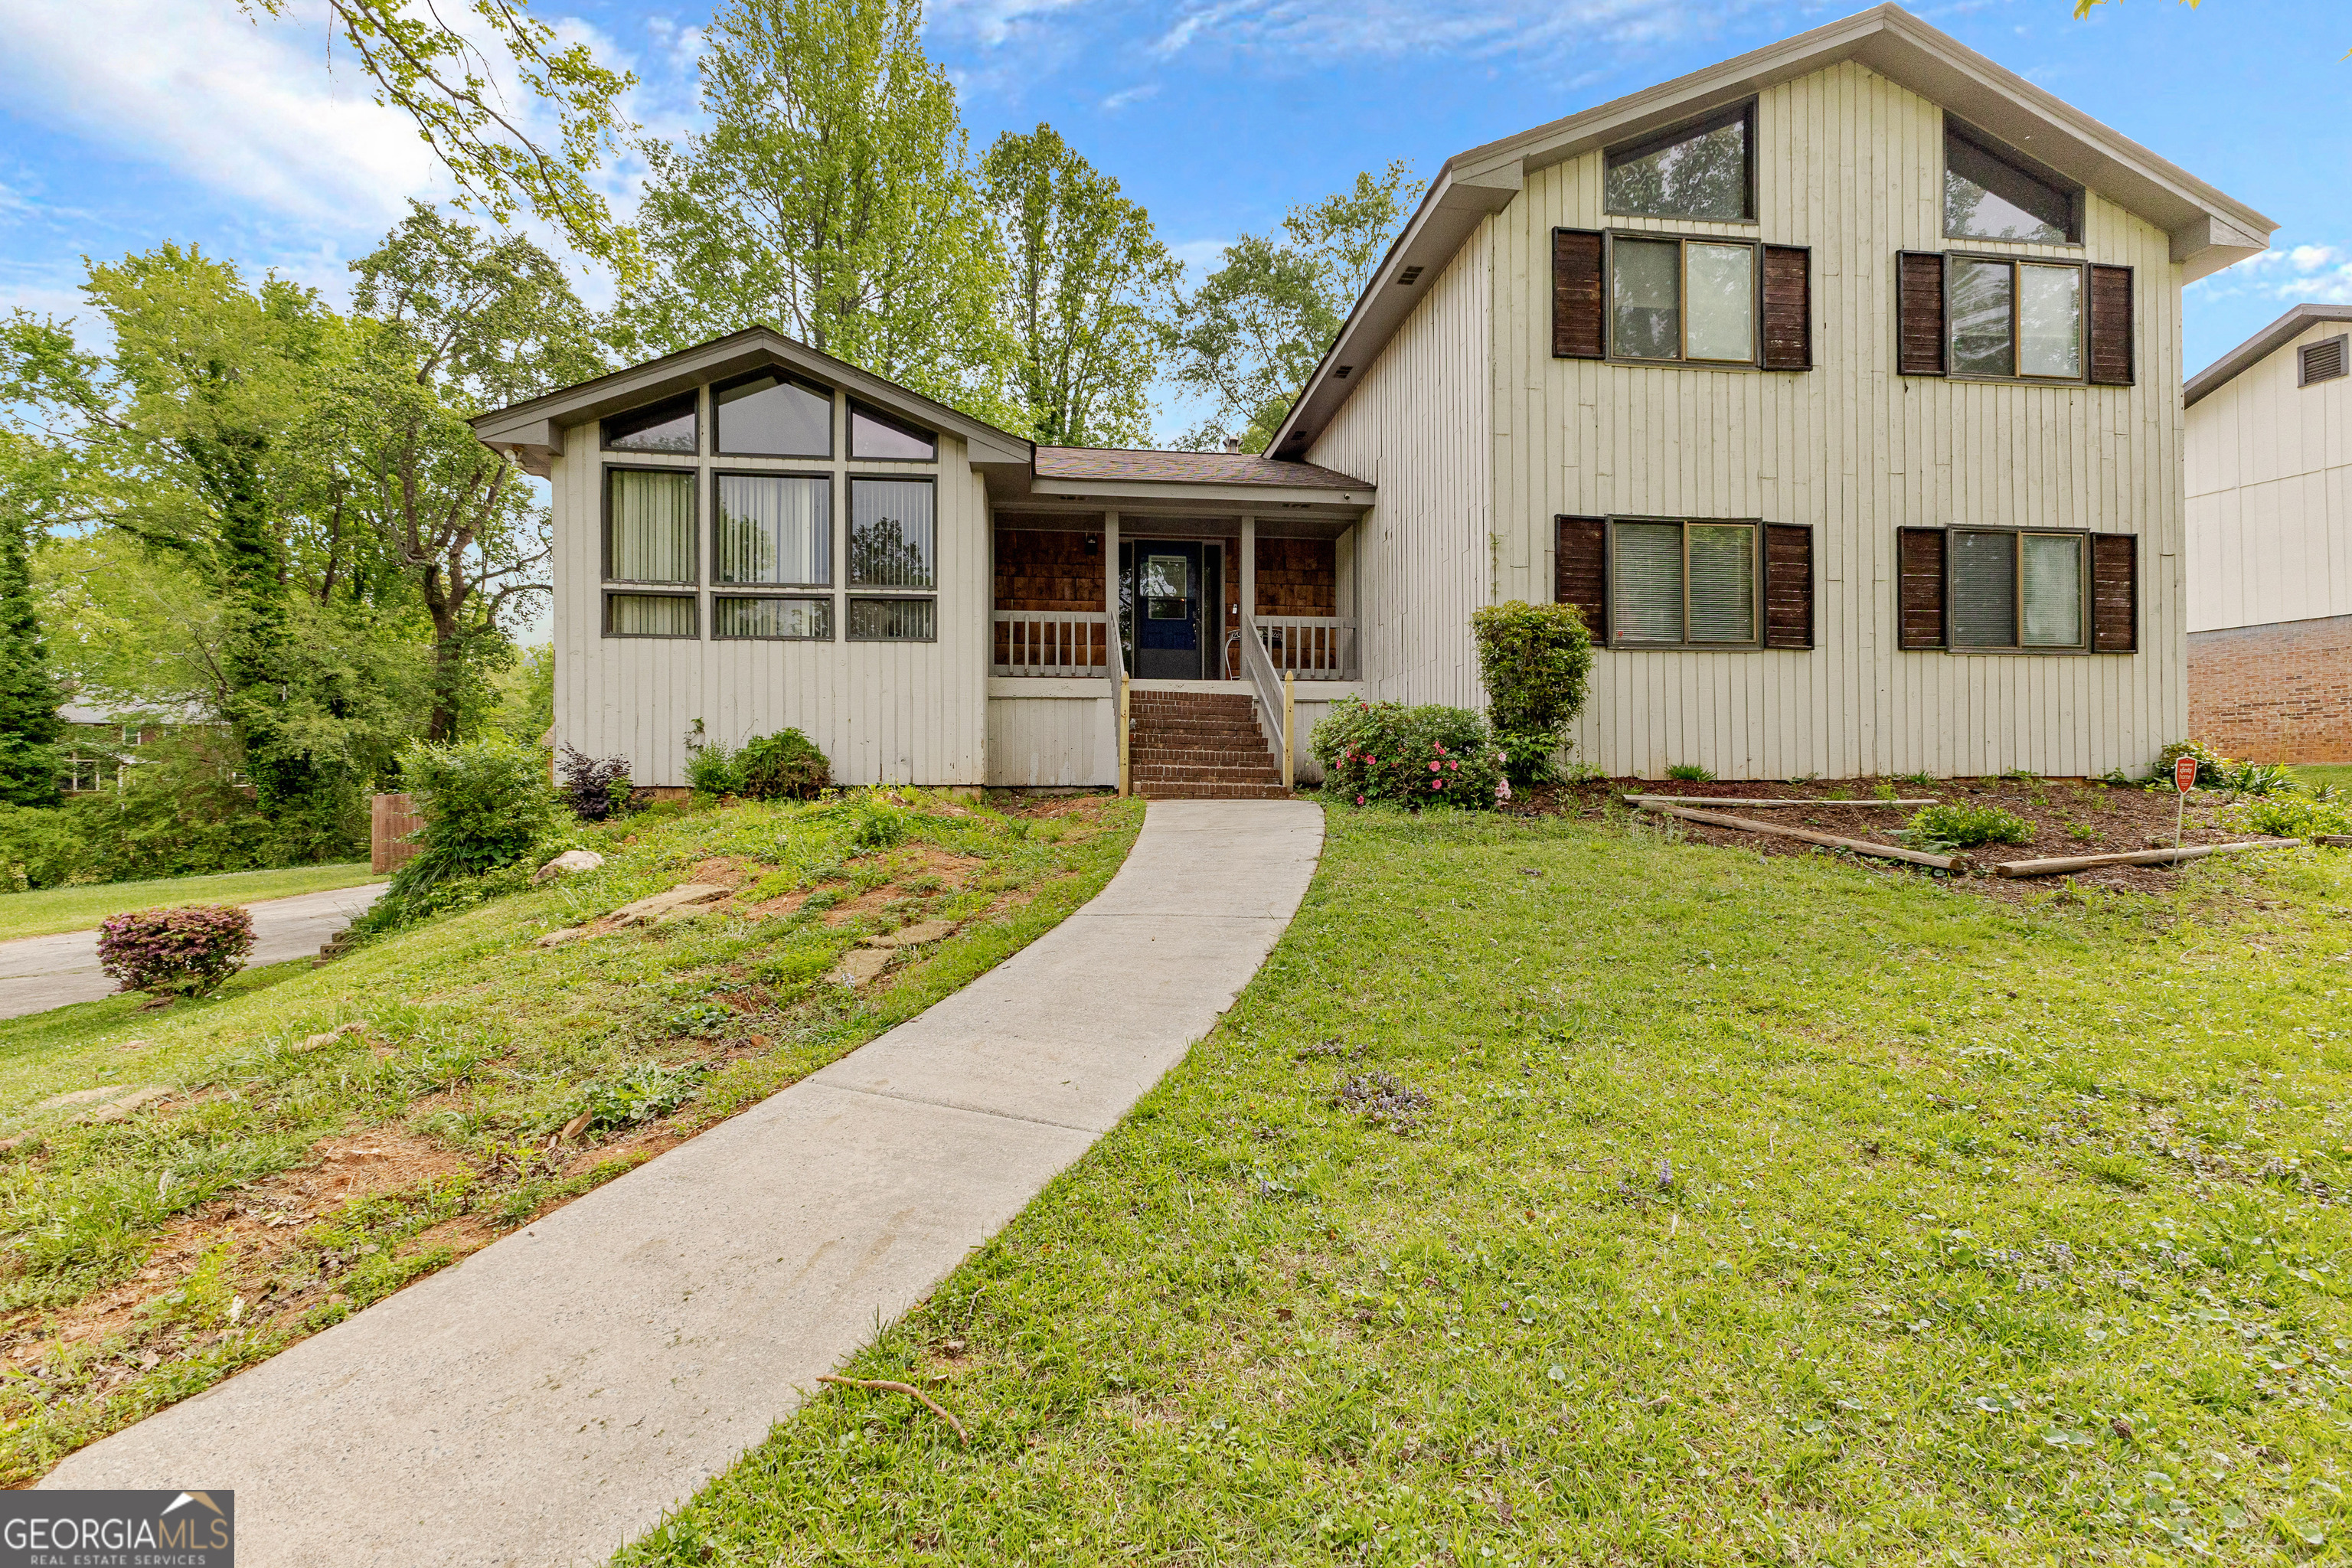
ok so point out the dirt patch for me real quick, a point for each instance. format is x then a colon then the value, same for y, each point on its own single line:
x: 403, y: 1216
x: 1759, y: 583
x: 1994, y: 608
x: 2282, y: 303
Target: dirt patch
x: 2068, y: 816
x: 727, y: 871
x: 1038, y: 807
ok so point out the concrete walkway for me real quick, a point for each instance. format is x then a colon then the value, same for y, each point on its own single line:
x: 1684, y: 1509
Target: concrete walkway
x: 38, y: 973
x: 546, y: 1400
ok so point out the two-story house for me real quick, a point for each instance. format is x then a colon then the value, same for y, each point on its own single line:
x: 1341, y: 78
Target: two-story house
x: 1838, y: 384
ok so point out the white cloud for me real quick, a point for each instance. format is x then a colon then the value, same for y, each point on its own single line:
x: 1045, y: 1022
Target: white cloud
x: 250, y: 111
x: 2297, y: 274
x: 1314, y: 32
x: 991, y: 21
x: 1120, y: 100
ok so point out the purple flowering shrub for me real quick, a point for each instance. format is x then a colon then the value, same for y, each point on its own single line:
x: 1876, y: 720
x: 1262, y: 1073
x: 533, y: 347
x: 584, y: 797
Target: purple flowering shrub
x: 1409, y: 756
x: 185, y: 952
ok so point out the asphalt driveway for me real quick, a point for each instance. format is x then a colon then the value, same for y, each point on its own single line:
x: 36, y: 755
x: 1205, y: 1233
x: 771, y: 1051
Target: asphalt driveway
x: 38, y: 973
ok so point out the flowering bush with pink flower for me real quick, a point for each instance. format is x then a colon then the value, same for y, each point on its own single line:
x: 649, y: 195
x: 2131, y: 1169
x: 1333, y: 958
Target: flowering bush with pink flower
x: 187, y: 952
x: 1415, y: 756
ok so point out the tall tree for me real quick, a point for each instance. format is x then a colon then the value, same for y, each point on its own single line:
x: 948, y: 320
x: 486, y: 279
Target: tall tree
x: 455, y: 321
x: 1085, y: 281
x: 829, y: 199
x: 1248, y: 338
x: 451, y: 79
x: 29, y: 692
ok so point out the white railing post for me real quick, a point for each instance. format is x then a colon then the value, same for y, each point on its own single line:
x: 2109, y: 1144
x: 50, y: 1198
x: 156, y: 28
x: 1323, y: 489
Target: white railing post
x: 1289, y: 728
x: 1125, y: 769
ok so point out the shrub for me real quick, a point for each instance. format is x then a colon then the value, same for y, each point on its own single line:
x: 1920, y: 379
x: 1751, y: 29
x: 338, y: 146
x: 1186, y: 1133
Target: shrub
x: 1535, y: 661
x: 712, y: 767
x: 1691, y: 772
x: 2288, y: 814
x: 485, y: 803
x: 185, y: 952
x: 2213, y: 769
x: 1954, y: 826
x: 786, y: 765
x: 593, y: 787
x: 878, y: 824
x: 2261, y: 778
x: 1412, y: 756
x: 39, y: 848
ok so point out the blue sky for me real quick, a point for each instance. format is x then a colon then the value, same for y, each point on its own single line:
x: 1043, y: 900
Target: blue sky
x: 127, y: 122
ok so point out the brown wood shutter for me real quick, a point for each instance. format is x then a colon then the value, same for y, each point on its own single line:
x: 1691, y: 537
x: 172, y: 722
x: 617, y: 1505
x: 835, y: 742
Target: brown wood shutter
x: 2114, y: 593
x: 1919, y: 312
x: 1919, y: 564
x: 2110, y: 326
x: 1576, y: 323
x: 1788, y: 307
x: 1788, y: 585
x: 1580, y: 571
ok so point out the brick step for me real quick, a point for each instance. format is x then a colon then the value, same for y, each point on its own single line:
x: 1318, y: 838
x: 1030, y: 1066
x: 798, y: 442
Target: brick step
x: 1202, y: 775
x: 1204, y: 740
x: 1196, y: 757
x: 1154, y: 791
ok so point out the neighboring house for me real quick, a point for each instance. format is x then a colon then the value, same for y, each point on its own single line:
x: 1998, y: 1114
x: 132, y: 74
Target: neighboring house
x: 2269, y: 543
x: 101, y: 739
x: 1837, y: 384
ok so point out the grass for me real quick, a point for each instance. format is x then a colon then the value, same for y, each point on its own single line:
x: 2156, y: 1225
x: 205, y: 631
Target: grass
x: 295, y: 1176
x: 1772, y: 1211
x: 2338, y: 775
x: 53, y: 909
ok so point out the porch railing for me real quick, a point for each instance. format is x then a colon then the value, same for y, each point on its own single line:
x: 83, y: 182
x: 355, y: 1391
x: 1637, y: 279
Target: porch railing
x: 1053, y: 642
x: 1312, y: 648
x: 1273, y: 693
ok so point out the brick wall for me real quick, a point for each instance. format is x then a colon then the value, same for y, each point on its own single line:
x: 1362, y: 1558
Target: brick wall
x: 2279, y: 693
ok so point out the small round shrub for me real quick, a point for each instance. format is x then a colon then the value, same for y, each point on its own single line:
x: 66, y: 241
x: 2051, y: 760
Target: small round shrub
x: 593, y: 788
x: 1536, y: 662
x: 1408, y: 756
x: 2213, y: 769
x: 1966, y: 827
x: 183, y: 952
x: 485, y: 802
x: 786, y: 765
x: 713, y: 767
x: 1691, y: 772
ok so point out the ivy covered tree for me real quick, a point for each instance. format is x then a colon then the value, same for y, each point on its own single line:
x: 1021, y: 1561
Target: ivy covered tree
x: 28, y: 692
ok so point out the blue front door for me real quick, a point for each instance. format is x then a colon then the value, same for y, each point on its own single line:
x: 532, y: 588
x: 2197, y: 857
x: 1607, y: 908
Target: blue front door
x: 1167, y: 600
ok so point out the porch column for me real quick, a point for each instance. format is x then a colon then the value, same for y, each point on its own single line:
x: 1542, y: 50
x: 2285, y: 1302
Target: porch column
x: 1110, y: 586
x: 1249, y: 567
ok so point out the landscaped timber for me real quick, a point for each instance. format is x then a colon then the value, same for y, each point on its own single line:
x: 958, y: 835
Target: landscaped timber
x: 1859, y: 846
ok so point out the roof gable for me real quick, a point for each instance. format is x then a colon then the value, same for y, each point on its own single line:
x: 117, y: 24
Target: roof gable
x: 2260, y: 347
x: 2209, y: 230
x: 532, y: 431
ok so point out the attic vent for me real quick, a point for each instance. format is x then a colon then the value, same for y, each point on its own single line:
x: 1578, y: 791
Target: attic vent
x: 1409, y: 276
x: 2322, y: 362
x: 1341, y: 373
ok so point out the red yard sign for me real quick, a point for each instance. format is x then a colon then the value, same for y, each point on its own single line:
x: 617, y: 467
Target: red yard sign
x: 2184, y: 773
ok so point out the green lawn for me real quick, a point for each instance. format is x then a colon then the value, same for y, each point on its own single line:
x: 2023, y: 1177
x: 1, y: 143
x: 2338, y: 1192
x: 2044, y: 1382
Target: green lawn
x: 2336, y: 775
x: 290, y: 1180
x: 1761, y: 1211
x: 82, y: 908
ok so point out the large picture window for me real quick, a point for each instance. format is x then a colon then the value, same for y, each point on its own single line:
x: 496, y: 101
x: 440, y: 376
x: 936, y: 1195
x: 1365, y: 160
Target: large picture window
x: 1993, y: 194
x: 1682, y: 584
x: 772, y: 415
x: 893, y: 534
x: 668, y: 427
x: 1688, y: 299
x: 775, y: 527
x: 2015, y: 319
x: 2015, y: 589
x: 649, y: 525
x: 1701, y: 170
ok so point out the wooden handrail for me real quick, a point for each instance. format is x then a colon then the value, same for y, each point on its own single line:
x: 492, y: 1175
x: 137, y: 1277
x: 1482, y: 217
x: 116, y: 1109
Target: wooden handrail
x: 1257, y: 666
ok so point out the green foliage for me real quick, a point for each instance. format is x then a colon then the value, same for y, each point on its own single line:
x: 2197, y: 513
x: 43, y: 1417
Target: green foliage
x: 1086, y: 279
x: 2288, y: 814
x: 39, y: 848
x: 1950, y: 825
x: 1535, y: 661
x: 786, y: 765
x: 712, y: 767
x: 829, y: 198
x: 2213, y: 770
x: 1412, y: 756
x: 2262, y: 778
x: 486, y: 802
x: 179, y: 953
x: 876, y: 822
x: 1691, y: 772
x: 1247, y: 338
x: 28, y: 692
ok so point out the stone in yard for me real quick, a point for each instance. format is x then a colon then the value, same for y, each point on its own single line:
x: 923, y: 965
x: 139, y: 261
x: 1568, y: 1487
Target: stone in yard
x: 83, y: 1096
x: 314, y: 1041
x: 648, y: 909
x: 568, y: 861
x: 558, y: 937
x: 116, y: 1109
x: 688, y: 912
x: 860, y: 965
x: 121, y: 1101
x: 910, y: 936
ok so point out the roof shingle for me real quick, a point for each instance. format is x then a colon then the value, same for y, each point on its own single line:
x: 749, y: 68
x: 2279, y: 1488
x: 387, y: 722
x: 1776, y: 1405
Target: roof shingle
x: 1187, y: 468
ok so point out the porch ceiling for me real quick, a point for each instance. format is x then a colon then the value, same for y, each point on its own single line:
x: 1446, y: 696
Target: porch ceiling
x: 1170, y: 520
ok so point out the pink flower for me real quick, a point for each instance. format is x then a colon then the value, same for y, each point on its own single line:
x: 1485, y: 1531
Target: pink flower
x: 1502, y: 791
x: 1437, y: 784
x: 1359, y: 800
x: 1432, y: 767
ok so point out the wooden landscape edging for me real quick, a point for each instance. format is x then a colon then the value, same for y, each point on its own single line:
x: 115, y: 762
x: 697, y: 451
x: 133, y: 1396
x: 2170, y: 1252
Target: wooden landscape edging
x: 1704, y: 800
x: 1958, y: 863
x: 2060, y: 865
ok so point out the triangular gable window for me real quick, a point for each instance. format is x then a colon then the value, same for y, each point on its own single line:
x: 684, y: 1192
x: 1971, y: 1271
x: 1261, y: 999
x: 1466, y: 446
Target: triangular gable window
x: 1990, y: 194
x: 1699, y: 170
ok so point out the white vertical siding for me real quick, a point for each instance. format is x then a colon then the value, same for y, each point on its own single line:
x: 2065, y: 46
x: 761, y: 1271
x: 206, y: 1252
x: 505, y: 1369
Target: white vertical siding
x: 1038, y: 741
x: 883, y: 712
x: 1850, y: 164
x: 2269, y: 495
x: 1419, y: 426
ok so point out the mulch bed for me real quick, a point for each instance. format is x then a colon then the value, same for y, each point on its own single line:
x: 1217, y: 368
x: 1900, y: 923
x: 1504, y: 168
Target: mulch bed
x: 2070, y: 816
